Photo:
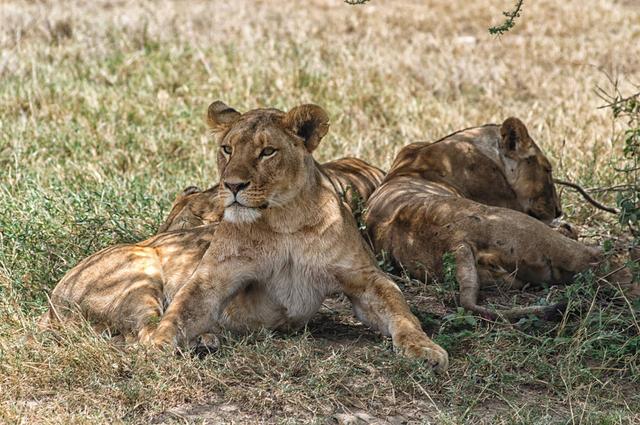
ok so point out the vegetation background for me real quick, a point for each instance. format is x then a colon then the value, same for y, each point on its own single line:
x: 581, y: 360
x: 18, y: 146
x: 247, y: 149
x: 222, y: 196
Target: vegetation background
x: 101, y: 124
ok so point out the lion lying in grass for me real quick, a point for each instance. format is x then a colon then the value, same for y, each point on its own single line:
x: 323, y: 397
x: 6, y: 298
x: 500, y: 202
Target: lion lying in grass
x: 475, y: 193
x: 353, y: 179
x: 285, y: 243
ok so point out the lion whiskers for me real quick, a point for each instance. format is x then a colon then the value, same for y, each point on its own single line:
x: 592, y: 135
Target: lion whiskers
x: 276, y: 203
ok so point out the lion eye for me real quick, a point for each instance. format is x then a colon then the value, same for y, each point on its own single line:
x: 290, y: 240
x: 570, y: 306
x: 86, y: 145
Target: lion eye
x: 227, y: 149
x: 267, y: 152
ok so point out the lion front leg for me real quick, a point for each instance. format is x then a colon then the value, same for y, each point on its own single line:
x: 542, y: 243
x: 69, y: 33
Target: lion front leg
x: 196, y: 308
x: 378, y: 302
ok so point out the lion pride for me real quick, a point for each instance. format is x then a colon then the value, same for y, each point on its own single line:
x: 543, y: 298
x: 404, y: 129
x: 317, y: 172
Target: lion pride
x: 285, y: 243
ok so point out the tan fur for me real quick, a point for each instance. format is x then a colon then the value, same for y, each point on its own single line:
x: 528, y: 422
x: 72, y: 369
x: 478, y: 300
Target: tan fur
x: 466, y: 194
x: 285, y: 242
x: 193, y: 207
x: 353, y: 179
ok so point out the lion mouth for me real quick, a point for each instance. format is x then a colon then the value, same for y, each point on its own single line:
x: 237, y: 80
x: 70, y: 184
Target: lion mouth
x: 238, y: 213
x: 238, y: 204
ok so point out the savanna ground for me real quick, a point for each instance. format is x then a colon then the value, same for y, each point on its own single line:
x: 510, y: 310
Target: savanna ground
x: 101, y: 124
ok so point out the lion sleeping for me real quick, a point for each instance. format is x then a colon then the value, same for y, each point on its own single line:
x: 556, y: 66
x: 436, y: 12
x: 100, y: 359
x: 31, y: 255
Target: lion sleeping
x: 485, y: 194
x: 285, y: 243
x: 353, y: 179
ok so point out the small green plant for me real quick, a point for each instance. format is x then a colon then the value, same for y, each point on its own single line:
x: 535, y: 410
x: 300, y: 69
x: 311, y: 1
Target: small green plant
x: 449, y: 271
x: 455, y: 328
x: 626, y: 108
x: 448, y: 287
x: 460, y: 319
x: 360, y: 209
x: 384, y: 261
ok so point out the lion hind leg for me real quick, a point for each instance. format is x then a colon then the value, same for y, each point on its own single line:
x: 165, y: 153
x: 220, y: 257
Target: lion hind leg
x: 467, y: 276
x: 58, y: 315
x: 144, y: 311
x: 140, y: 307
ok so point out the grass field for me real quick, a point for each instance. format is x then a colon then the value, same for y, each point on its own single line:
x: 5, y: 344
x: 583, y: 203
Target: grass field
x: 101, y: 124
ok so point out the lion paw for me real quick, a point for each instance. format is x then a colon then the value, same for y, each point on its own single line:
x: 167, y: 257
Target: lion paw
x: 206, y: 344
x: 159, y: 338
x: 420, y: 347
x: 163, y: 342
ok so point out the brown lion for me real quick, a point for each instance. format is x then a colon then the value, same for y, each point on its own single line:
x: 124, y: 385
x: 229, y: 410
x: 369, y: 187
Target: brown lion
x: 353, y: 179
x: 485, y: 194
x: 285, y: 243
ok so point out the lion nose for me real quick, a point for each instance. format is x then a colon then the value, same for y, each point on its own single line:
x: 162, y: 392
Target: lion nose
x: 236, y: 187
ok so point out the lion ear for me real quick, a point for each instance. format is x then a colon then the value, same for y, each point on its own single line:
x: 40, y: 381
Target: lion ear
x: 309, y: 122
x: 514, y: 136
x: 220, y: 116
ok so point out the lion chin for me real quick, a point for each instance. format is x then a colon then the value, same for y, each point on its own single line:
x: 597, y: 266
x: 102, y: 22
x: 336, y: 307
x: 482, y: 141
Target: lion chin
x: 240, y: 214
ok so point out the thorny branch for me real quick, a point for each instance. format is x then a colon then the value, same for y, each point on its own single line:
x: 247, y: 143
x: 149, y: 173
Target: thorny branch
x: 495, y: 30
x: 510, y: 21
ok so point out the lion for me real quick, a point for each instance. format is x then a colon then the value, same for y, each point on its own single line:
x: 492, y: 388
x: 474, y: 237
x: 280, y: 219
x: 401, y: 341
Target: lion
x: 353, y: 179
x: 285, y: 242
x: 485, y: 194
x: 194, y: 207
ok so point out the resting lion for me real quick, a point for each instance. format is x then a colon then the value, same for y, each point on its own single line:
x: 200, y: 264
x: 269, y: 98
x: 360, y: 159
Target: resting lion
x: 353, y: 179
x: 285, y: 243
x: 484, y: 194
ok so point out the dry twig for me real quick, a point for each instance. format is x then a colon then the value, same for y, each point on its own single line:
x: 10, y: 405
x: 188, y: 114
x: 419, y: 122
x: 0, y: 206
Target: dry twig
x: 586, y: 196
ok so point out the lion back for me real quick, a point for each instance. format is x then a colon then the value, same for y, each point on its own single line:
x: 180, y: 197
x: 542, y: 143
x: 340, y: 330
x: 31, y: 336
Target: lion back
x: 354, y: 179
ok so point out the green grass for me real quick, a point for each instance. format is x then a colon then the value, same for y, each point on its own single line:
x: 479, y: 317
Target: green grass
x: 101, y: 124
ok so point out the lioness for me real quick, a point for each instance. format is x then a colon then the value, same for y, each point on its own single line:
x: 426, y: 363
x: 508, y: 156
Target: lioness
x: 475, y: 193
x: 353, y: 179
x: 285, y: 242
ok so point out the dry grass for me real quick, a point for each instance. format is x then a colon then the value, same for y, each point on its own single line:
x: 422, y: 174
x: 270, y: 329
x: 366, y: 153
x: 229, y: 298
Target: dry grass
x: 101, y: 107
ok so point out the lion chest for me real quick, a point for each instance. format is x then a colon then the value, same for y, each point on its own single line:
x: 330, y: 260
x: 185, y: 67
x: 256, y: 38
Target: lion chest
x: 297, y: 279
x: 298, y: 286
x: 291, y: 275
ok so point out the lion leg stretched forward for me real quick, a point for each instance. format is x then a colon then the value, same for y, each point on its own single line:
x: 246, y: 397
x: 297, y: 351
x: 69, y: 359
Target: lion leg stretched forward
x: 353, y: 179
x: 475, y: 194
x: 286, y: 241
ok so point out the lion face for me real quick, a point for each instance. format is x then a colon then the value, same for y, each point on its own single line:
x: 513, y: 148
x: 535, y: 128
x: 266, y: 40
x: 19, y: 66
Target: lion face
x: 264, y: 156
x: 529, y: 172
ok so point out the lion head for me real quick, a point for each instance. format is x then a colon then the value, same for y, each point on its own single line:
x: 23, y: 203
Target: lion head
x: 264, y: 156
x: 528, y: 171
